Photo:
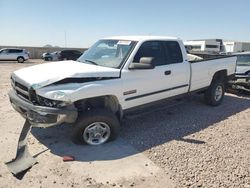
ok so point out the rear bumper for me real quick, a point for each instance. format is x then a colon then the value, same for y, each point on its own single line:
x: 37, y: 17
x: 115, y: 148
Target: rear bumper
x: 40, y: 116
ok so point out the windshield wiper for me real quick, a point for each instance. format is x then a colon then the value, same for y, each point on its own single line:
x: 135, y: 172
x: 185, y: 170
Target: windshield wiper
x: 92, y: 62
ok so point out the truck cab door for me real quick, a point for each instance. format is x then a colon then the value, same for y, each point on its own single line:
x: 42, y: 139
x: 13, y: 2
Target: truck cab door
x: 169, y: 77
x: 141, y: 86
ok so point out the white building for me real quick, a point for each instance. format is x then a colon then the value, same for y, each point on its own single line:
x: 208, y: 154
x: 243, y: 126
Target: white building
x: 217, y: 45
x: 206, y: 45
x: 233, y: 46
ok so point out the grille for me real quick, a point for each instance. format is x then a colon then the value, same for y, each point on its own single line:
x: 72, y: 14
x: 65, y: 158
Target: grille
x: 22, y: 94
x: 24, y: 88
x: 32, y: 96
x: 22, y: 91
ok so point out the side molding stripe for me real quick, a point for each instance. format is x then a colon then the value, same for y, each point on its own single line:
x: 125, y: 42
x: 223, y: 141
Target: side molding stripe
x: 156, y: 92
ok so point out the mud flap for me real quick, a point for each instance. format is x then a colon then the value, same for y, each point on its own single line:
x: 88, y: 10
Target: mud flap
x: 23, y: 160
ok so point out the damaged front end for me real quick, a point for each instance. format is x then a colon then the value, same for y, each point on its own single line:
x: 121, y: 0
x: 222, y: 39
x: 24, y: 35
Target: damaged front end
x: 42, y: 94
x: 43, y: 116
x: 38, y: 112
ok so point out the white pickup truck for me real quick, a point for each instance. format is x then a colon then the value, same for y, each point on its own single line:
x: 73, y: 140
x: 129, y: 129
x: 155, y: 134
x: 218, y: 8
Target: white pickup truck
x: 113, y: 77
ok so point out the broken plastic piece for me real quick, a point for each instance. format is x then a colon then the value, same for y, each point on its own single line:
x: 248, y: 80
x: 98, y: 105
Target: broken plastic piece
x: 23, y: 160
x: 68, y: 158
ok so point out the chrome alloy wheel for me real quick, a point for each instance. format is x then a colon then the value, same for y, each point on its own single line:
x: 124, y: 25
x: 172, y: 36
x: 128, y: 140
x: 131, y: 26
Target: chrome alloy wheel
x: 96, y: 133
x: 218, y: 93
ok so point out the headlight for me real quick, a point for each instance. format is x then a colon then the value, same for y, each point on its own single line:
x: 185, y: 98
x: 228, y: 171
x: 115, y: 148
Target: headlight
x: 58, y: 95
x: 51, y: 103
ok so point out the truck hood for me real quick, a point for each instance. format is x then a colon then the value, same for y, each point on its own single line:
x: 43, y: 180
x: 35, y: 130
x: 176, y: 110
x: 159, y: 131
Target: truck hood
x: 44, y: 74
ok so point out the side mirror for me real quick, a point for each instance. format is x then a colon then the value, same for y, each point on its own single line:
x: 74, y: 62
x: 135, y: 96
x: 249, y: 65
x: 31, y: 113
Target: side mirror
x: 144, y: 63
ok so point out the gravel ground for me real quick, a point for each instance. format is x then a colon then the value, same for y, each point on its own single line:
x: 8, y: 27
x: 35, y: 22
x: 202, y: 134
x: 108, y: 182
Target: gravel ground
x: 199, y: 145
x: 195, y: 144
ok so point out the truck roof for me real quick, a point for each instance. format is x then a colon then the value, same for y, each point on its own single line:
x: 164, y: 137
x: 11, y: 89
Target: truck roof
x: 141, y: 38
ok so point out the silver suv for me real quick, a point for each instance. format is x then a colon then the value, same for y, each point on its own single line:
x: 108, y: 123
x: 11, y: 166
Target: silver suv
x: 14, y: 54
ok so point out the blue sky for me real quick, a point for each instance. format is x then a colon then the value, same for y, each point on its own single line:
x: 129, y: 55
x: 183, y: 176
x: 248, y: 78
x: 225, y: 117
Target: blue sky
x: 41, y: 22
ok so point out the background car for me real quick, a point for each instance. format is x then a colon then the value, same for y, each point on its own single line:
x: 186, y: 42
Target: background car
x: 46, y: 55
x: 69, y: 55
x: 242, y: 74
x: 14, y: 54
x: 50, y: 56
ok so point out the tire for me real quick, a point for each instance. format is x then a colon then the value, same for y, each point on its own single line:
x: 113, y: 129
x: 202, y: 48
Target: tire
x: 49, y: 58
x: 215, y: 93
x: 81, y: 131
x: 20, y: 59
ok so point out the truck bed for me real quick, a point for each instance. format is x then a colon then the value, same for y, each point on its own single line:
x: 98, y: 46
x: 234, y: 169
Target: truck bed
x: 202, y: 71
x: 208, y: 56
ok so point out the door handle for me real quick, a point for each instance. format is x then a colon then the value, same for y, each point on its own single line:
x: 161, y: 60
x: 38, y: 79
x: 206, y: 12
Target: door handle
x: 168, y: 72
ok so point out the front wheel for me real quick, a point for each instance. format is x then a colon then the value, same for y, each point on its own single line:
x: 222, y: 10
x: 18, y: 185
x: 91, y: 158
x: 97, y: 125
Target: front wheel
x: 215, y: 93
x: 96, y: 127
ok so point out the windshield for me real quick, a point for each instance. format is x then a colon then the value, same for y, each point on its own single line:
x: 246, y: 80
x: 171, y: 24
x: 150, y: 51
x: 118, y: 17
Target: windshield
x: 108, y: 53
x: 243, y: 60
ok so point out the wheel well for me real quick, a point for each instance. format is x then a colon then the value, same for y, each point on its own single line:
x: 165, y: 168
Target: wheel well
x: 20, y: 57
x: 220, y: 75
x: 108, y: 101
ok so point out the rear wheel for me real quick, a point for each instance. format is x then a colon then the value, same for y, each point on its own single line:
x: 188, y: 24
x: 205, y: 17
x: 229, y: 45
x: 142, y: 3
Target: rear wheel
x: 215, y: 93
x: 96, y: 127
x: 20, y: 59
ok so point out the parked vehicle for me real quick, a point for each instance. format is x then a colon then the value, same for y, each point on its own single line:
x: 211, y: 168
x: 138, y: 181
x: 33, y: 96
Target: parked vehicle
x: 46, y: 55
x: 113, y: 78
x: 69, y: 55
x: 14, y: 54
x: 53, y: 56
x: 242, y: 75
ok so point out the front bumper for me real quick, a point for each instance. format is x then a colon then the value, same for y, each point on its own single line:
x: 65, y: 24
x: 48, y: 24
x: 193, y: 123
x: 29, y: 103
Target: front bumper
x: 40, y: 116
x: 241, y: 82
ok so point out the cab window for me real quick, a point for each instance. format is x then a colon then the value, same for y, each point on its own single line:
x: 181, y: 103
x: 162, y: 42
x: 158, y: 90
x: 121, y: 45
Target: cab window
x: 173, y: 51
x: 154, y: 49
